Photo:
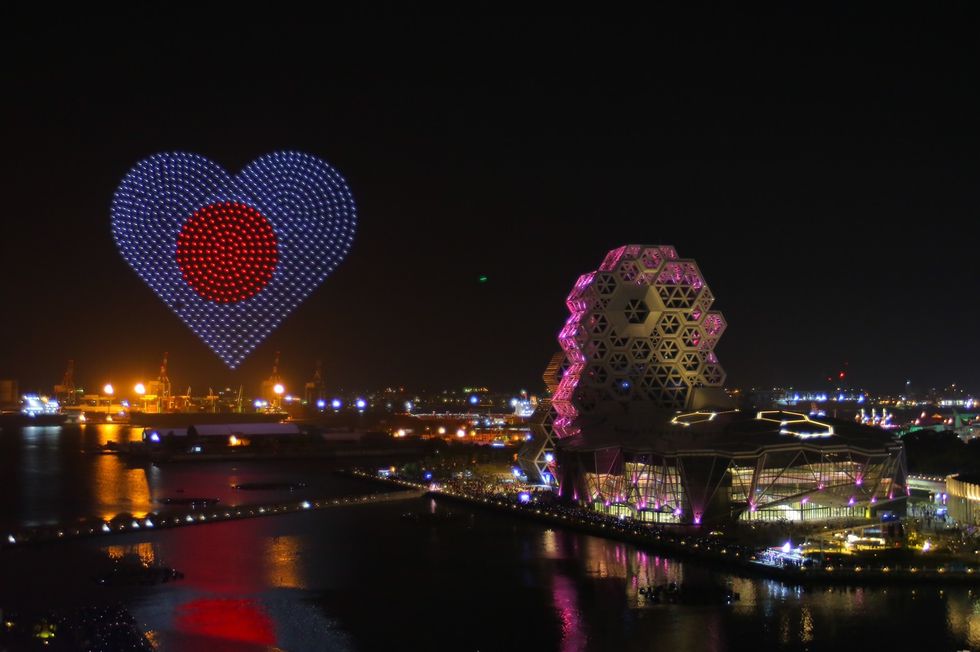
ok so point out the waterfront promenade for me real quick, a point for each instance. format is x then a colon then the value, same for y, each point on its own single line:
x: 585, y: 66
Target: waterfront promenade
x: 694, y: 542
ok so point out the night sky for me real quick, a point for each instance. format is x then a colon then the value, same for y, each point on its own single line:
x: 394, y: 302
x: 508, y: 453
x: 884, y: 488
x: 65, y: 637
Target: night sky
x: 824, y: 171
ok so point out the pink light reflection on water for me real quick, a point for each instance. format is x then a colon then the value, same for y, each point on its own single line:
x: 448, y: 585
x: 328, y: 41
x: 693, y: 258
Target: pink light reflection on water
x: 573, y: 638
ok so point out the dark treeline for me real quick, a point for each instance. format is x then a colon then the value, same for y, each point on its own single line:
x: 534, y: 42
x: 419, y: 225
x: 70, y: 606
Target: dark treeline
x: 940, y: 453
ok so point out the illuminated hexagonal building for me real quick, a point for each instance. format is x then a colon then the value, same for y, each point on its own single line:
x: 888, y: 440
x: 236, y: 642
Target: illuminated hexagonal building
x: 642, y: 427
x: 641, y: 332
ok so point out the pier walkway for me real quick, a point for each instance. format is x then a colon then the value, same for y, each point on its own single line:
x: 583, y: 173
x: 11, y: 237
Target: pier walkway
x: 203, y: 516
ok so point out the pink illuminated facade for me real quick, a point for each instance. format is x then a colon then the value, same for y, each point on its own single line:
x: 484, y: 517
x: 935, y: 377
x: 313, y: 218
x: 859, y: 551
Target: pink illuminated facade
x: 641, y: 329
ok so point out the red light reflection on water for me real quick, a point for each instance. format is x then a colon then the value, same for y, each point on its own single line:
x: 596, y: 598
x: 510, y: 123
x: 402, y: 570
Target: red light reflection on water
x: 220, y: 563
x: 242, y: 621
x: 219, y: 558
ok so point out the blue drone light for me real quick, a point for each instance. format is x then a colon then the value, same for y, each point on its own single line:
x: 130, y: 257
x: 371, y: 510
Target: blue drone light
x: 199, y: 238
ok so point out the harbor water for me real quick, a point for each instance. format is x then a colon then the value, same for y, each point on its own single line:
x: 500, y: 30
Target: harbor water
x: 417, y: 574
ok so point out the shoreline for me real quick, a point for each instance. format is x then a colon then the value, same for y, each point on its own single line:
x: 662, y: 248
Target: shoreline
x: 720, y: 554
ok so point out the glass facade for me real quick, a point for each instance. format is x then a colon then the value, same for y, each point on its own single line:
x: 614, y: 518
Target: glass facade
x: 788, y: 483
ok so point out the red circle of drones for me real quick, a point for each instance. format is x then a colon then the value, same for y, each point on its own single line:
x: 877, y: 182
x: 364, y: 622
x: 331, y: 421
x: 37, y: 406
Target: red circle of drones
x: 227, y: 252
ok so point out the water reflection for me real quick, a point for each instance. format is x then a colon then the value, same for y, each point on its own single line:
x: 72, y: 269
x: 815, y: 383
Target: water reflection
x: 607, y: 559
x: 223, y: 620
x: 388, y: 582
x: 806, y: 625
x: 57, y: 474
x: 40, y: 473
x: 770, y: 615
x: 282, y: 555
x: 549, y: 547
x: 963, y: 615
x: 106, y: 432
x: 365, y: 578
x: 224, y: 558
x: 973, y: 620
x: 145, y: 552
x: 573, y: 639
x: 119, y: 488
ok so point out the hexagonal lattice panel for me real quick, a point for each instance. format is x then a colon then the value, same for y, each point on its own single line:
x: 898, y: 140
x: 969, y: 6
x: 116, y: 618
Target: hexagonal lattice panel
x: 641, y: 329
x: 636, y: 311
x: 669, y: 324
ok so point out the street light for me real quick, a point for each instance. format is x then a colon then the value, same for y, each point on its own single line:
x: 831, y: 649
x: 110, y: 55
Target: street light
x: 108, y: 392
x: 140, y: 390
x: 278, y: 389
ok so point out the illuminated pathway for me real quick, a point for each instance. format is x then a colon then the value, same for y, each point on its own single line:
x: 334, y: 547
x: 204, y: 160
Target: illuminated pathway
x: 195, y: 517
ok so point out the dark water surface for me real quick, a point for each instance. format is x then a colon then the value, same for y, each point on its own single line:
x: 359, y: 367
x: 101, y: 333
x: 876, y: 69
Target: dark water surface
x: 365, y: 578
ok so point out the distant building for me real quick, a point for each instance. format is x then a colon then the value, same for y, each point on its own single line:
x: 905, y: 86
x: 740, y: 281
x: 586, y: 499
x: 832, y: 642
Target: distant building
x: 9, y: 394
x: 204, y: 437
x: 963, y: 501
x: 964, y: 421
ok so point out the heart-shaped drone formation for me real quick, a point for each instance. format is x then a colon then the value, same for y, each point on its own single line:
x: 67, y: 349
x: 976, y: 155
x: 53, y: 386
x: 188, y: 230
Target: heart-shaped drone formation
x: 233, y: 255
